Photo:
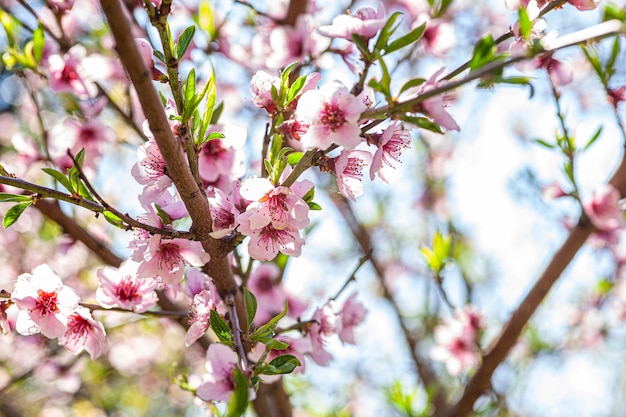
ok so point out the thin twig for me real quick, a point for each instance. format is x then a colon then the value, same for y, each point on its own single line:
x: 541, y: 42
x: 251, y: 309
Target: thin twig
x: 352, y: 277
x: 171, y: 233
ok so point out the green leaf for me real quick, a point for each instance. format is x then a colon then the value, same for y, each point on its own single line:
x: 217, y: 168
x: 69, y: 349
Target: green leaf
x: 268, y: 328
x: 314, y: 206
x: 595, y: 137
x: 276, y: 344
x: 184, y: 41
x: 569, y: 171
x: 194, y: 102
x: 411, y: 37
x: 415, y: 82
x: 39, y: 40
x: 14, y: 213
x: 80, y: 157
x: 484, y: 52
x: 525, y: 24
x: 159, y: 55
x: 83, y: 191
x: 62, y: 179
x: 217, y: 113
x: 386, y: 32
x: 284, y: 364
x: 441, y: 246
x: 294, y: 157
x: 423, y: 122
x: 206, y: 18
x: 518, y: 81
x: 251, y: 305
x: 13, y: 198
x: 190, y: 87
x: 239, y: 401
x: 113, y: 219
x: 165, y: 218
x: 544, y: 143
x: 295, y: 89
x: 614, y: 11
x: 361, y: 44
x: 221, y: 329
x: 610, y: 65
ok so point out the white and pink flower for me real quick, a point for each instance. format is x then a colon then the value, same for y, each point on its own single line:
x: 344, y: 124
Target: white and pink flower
x: 219, y: 383
x: 44, y: 303
x: 348, y: 168
x: 120, y: 287
x: 200, y: 313
x: 365, y: 22
x: 332, y: 116
x: 435, y: 107
x: 84, y: 333
x: 391, y: 143
x: 352, y: 314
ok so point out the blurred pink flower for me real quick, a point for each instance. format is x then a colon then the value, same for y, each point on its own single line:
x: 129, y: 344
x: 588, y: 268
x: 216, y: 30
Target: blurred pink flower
x: 44, y: 303
x: 552, y: 191
x: 352, y: 314
x: 261, y: 88
x: 151, y: 172
x: 218, y: 384
x: 455, y: 341
x: 365, y: 22
x: 67, y: 74
x: 84, y: 333
x: 221, y: 161
x: 324, y: 324
x: 435, y: 107
x: 584, y: 4
x: 348, y: 168
x: 200, y: 313
x: 604, y: 210
x: 120, y: 287
x: 332, y: 114
x: 391, y: 143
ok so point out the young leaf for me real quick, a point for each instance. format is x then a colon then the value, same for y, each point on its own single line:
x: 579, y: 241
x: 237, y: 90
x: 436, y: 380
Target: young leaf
x: 184, y: 41
x: 294, y: 157
x: 415, y: 82
x: 239, y: 401
x: 423, y: 123
x: 411, y: 37
x: 362, y: 45
x: 14, y: 213
x: 221, y: 329
x: 268, y: 328
x: 525, y: 24
x: 190, y: 87
x: 38, y: 43
x: 13, y: 198
x: 386, y: 32
x: 251, y: 305
x: 276, y: 344
x: 113, y: 219
x: 284, y: 364
x: 544, y: 143
x: 62, y: 179
x: 595, y: 137
x: 484, y: 52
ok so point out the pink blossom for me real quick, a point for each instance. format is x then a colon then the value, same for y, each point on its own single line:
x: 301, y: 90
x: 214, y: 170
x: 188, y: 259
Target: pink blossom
x: 365, y: 22
x: 435, y: 107
x: 151, y: 172
x: 61, y: 6
x: 267, y: 242
x: 196, y: 281
x: 439, y: 36
x: 270, y: 295
x: 348, y: 168
x: 200, y: 312
x: 352, y: 314
x: 277, y: 206
x: 84, y: 333
x: 44, y: 303
x: 332, y: 114
x: 120, y: 287
x: 218, y: 384
x: 224, y: 214
x: 67, y: 74
x: 261, y: 86
x: 584, y: 4
x: 324, y: 324
x: 391, y: 143
x: 604, y: 210
x: 167, y: 258
x: 455, y: 341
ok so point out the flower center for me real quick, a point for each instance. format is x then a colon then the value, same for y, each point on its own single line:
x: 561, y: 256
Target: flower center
x: 126, y: 290
x: 46, y: 303
x: 332, y: 116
